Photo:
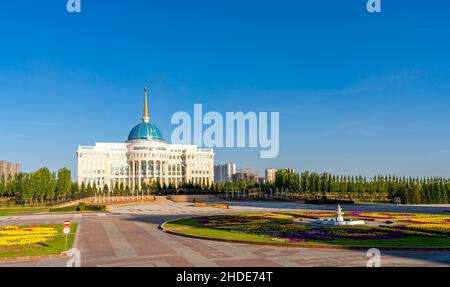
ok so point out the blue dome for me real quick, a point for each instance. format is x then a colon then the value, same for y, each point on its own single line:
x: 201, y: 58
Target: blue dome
x: 145, y: 131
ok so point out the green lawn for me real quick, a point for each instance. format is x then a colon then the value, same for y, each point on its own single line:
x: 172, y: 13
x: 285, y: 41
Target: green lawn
x: 53, y: 246
x: 182, y: 223
x: 403, y: 242
x: 224, y: 234
x: 20, y: 211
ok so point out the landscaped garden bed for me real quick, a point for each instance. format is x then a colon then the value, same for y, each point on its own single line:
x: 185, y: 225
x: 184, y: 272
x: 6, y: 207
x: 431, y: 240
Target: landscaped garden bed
x: 203, y: 204
x: 404, y: 230
x: 19, y: 241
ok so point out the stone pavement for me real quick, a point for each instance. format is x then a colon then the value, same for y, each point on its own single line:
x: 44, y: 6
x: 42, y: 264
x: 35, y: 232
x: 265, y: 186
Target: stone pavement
x: 131, y: 237
x: 171, y: 208
x: 137, y: 241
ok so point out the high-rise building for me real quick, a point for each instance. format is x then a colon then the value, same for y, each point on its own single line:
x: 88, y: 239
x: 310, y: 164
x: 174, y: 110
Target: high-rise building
x: 8, y: 169
x: 144, y: 158
x: 246, y: 175
x: 224, y: 172
x: 270, y: 175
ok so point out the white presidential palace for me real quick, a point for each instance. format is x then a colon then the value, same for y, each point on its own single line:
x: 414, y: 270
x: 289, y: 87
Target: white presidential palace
x: 144, y: 158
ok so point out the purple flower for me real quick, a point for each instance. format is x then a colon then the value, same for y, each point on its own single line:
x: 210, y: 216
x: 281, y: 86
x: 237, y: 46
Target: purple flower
x: 306, y: 236
x: 399, y: 226
x: 412, y: 221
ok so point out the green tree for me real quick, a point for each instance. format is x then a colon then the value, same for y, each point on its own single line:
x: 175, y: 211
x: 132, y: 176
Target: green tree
x: 83, y: 187
x: 105, y: 189
x: 44, y: 184
x: 64, y: 182
x: 27, y: 187
x: 75, y: 188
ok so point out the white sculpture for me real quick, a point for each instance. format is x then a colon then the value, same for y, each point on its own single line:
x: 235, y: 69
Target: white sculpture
x: 339, y: 214
x: 339, y: 220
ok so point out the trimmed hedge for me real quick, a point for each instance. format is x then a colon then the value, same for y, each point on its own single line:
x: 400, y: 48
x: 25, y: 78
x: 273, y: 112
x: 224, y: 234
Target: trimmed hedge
x: 80, y: 207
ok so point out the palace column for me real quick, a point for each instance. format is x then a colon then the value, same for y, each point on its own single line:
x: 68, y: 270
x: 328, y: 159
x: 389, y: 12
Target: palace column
x: 128, y: 175
x: 166, y: 172
x: 152, y: 173
x: 161, y: 177
x: 133, y: 175
x: 147, y: 172
x: 163, y: 172
x: 144, y: 170
x: 139, y: 174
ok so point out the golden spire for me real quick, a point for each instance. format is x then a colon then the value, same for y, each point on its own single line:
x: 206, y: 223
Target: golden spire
x: 146, y: 117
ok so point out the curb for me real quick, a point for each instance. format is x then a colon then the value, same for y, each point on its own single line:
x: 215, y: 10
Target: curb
x: 77, y: 235
x: 31, y: 258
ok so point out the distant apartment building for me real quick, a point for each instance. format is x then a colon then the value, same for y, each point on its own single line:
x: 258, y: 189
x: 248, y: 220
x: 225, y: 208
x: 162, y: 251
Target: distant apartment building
x: 8, y: 168
x: 270, y: 175
x: 246, y: 175
x: 224, y: 172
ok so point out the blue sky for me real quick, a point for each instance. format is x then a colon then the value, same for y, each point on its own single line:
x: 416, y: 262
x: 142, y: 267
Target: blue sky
x: 357, y: 93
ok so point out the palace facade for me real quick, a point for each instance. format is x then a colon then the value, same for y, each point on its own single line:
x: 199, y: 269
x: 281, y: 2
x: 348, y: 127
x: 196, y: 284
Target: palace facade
x: 144, y: 158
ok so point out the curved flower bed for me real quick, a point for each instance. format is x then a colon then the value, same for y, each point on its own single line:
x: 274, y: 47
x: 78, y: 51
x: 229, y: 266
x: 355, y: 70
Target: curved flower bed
x: 435, y: 228
x: 278, y: 228
x: 438, y: 224
x: 298, y: 233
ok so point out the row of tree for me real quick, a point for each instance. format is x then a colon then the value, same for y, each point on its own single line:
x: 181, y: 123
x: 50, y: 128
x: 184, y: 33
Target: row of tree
x: 43, y: 184
x: 189, y: 187
x: 39, y: 185
x: 431, y: 190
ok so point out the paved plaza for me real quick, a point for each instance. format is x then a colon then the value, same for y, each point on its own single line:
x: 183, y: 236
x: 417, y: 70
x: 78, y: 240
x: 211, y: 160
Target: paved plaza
x: 129, y: 236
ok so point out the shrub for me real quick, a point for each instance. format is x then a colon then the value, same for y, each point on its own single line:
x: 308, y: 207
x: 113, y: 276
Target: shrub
x: 96, y: 207
x: 63, y: 209
x: 80, y: 207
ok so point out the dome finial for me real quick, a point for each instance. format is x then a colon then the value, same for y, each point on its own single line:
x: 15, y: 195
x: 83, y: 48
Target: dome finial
x: 146, y: 117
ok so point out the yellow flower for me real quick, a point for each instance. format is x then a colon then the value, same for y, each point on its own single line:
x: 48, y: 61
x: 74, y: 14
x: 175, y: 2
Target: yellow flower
x: 16, y: 236
x: 269, y: 215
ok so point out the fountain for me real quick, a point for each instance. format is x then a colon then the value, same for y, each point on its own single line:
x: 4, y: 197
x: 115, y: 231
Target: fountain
x: 339, y: 220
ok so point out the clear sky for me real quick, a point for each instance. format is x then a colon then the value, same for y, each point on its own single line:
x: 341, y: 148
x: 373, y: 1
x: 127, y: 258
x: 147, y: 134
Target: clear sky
x: 357, y: 93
